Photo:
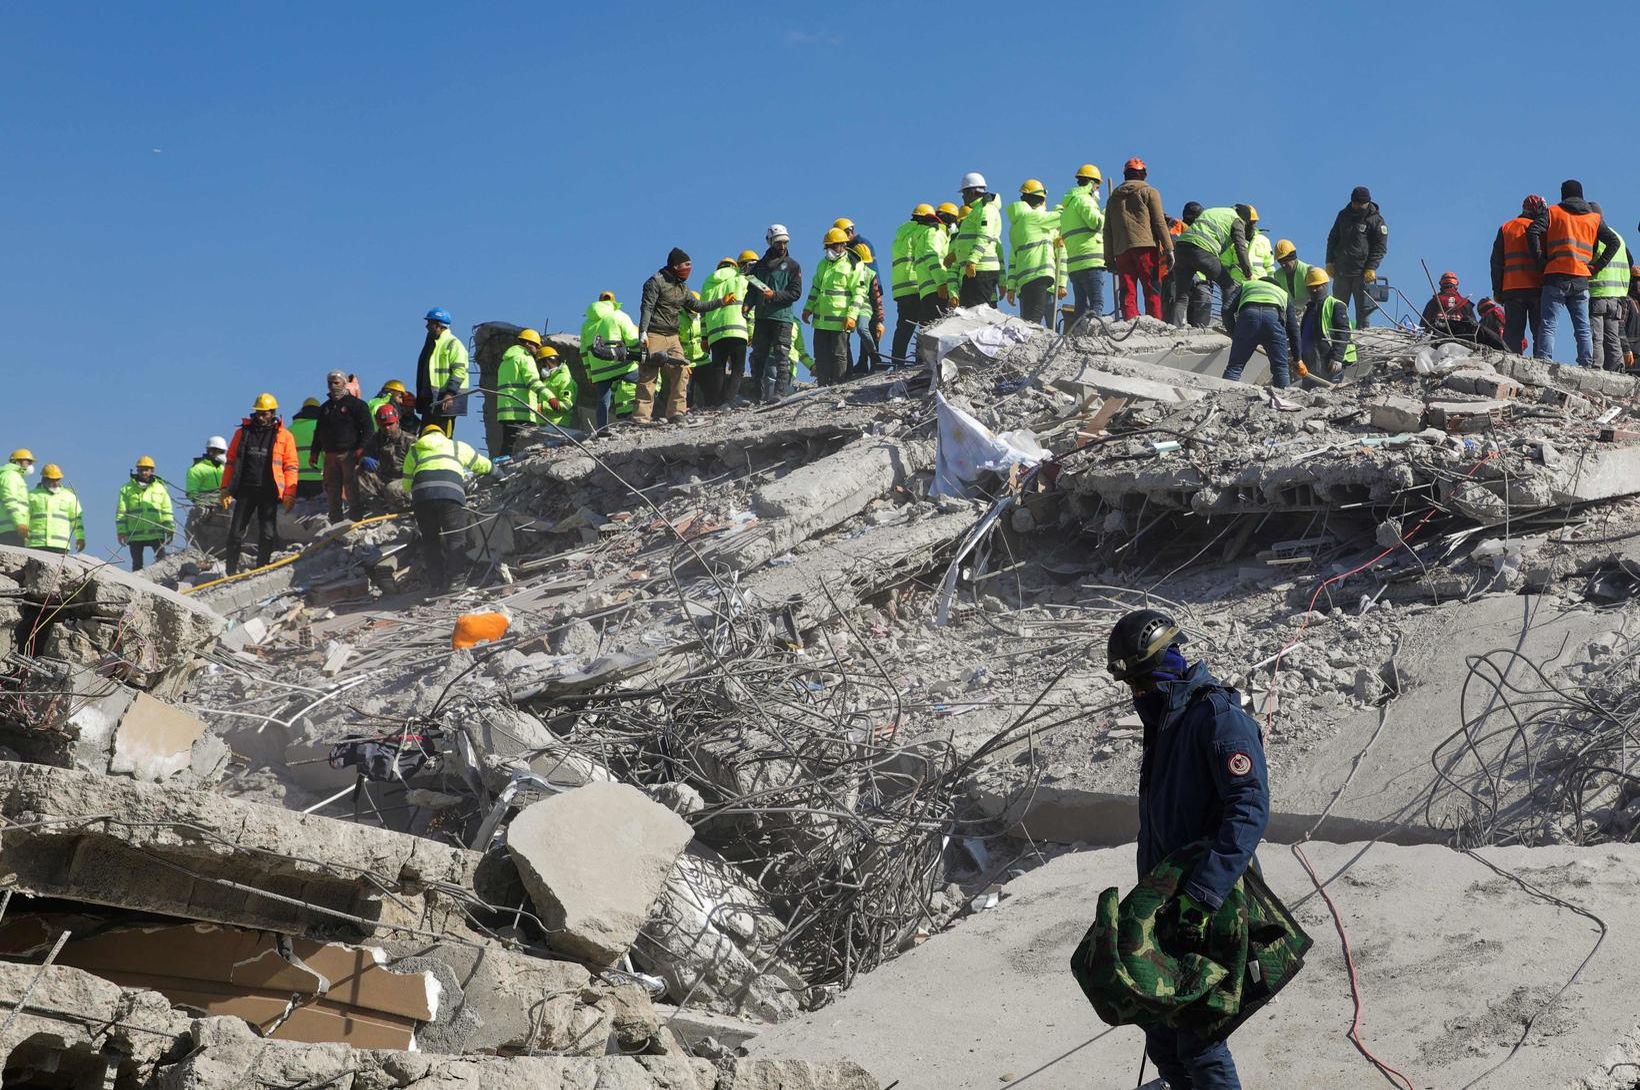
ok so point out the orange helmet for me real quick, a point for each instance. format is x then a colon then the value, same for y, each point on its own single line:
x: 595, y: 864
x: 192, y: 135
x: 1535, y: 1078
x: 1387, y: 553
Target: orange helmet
x: 1449, y: 278
x: 1134, y: 163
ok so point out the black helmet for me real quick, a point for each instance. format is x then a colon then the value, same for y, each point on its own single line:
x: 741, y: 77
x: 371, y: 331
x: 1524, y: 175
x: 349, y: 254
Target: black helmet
x: 1138, y: 641
x: 1191, y: 210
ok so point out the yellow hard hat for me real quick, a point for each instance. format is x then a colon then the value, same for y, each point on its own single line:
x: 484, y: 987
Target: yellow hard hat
x: 843, y: 223
x: 748, y: 255
x: 863, y: 252
x: 1087, y: 171
x: 962, y: 213
x: 52, y: 472
x: 1252, y: 214
x: 606, y: 297
x: 1317, y: 277
x: 530, y: 336
x: 548, y: 352
x: 836, y: 237
x: 947, y: 208
x: 395, y: 385
x: 145, y: 462
x: 1031, y: 186
x: 429, y: 429
x: 1285, y: 249
x: 922, y: 210
x: 307, y: 403
x: 727, y: 262
x: 266, y: 402
x: 22, y: 454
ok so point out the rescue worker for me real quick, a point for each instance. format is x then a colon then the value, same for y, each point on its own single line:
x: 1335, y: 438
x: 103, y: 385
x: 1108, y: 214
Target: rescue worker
x: 831, y: 307
x: 1517, y: 275
x: 143, y: 517
x: 666, y: 299
x: 1212, y: 238
x: 260, y: 474
x: 207, y: 525
x: 1572, y: 244
x: 776, y: 284
x: 726, y: 331
x: 1263, y: 320
x: 1036, y: 273
x: 1449, y: 313
x: 1137, y: 239
x: 1608, y: 302
x: 339, y: 434
x: 869, y: 318
x: 976, y: 252
x: 310, y: 483
x: 933, y: 278
x: 846, y: 225
x: 519, y: 391
x: 383, y: 461
x: 441, y: 374
x: 905, y: 284
x: 1202, y: 776
x: 609, y: 348
x: 1082, y: 234
x: 1292, y: 275
x: 559, y: 405
x: 14, y: 477
x: 1356, y: 246
x: 1492, y: 323
x: 1326, y: 341
x: 1631, y: 318
x: 1260, y: 253
x: 694, y: 352
x: 56, y: 520
x: 436, y: 471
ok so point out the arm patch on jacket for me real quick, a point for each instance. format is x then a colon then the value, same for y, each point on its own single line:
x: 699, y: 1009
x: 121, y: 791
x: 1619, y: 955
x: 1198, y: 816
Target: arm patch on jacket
x: 1238, y: 764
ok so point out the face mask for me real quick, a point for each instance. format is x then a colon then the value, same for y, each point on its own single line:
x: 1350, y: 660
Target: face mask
x: 833, y: 255
x: 219, y: 459
x: 32, y: 471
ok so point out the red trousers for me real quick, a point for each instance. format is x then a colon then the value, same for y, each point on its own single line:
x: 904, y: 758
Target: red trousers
x: 1136, y: 268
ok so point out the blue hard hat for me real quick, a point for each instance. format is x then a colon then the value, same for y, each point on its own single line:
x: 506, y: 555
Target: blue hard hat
x: 439, y: 314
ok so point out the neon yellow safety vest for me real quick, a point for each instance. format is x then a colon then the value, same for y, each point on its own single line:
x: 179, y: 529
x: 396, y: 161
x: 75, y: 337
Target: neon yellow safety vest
x: 13, y: 498
x: 55, y: 519
x: 1261, y: 255
x: 694, y: 351
x: 1293, y: 282
x: 301, y: 430
x: 1261, y: 292
x: 143, y: 512
x: 1212, y: 230
x: 437, y: 468
x: 608, y: 321
x: 725, y: 323
x: 560, y: 384
x: 1612, y: 282
x: 1330, y: 306
x: 979, y: 238
x: 448, y: 364
x: 1082, y: 226
x: 931, y: 249
x: 832, y: 293
x: 1031, y: 252
x: 204, y: 480
x: 902, y: 270
x: 864, y: 274
x: 519, y: 391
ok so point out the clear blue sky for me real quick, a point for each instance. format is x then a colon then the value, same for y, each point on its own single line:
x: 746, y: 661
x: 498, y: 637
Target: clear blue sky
x: 201, y: 201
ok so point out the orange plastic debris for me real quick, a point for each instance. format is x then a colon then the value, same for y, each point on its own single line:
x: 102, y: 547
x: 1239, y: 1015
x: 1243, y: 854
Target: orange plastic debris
x: 473, y: 629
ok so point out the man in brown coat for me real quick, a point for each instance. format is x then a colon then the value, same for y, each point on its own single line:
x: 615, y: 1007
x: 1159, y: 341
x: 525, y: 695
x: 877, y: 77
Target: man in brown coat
x: 1137, y: 240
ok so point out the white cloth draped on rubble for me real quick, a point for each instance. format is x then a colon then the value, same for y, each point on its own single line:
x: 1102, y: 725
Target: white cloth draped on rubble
x: 966, y: 448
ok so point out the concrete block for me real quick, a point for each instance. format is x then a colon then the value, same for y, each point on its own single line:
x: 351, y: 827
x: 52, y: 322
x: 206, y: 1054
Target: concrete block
x: 1602, y: 472
x: 1134, y: 388
x: 154, y: 740
x: 1398, y: 414
x: 1483, y: 383
x: 594, y: 860
x: 1465, y: 416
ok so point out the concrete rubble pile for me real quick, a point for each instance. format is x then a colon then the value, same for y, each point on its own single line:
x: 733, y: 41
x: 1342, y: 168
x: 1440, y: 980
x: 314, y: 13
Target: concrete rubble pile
x: 766, y: 702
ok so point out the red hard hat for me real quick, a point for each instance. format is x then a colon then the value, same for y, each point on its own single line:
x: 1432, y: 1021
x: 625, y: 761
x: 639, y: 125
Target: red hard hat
x: 1533, y: 204
x: 387, y: 414
x: 1134, y: 163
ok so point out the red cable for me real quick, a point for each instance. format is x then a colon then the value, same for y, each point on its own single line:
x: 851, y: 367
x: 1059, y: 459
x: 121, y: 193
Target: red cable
x: 1298, y: 850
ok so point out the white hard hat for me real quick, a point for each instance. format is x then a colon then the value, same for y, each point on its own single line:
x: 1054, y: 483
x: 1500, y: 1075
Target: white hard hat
x: 216, y: 442
x: 972, y: 180
x: 777, y: 233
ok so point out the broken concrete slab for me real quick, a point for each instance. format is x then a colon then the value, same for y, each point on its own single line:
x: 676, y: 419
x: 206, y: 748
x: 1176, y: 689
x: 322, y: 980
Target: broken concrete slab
x: 594, y: 860
x: 1397, y: 414
x: 154, y: 740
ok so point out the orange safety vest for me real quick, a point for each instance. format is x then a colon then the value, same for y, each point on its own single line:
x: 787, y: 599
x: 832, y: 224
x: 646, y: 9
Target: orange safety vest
x: 1520, y: 271
x: 1570, y: 241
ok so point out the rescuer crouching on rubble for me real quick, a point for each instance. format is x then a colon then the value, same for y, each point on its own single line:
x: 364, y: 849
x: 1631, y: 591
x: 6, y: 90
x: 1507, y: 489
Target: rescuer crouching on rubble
x: 1202, y: 777
x: 436, y: 472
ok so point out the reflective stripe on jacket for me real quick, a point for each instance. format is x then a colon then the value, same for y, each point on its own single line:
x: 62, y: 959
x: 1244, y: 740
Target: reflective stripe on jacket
x: 1082, y: 226
x: 725, y: 323
x: 282, y: 460
x: 1261, y: 255
x: 832, y: 293
x: 143, y: 512
x: 204, y: 480
x: 1261, y: 293
x: 1612, y: 282
x: 979, y: 238
x: 606, y: 321
x: 902, y: 269
x: 1520, y: 269
x: 519, y: 391
x: 1336, y: 326
x: 930, y: 257
x: 301, y: 429
x: 1031, y: 253
x: 1212, y: 230
x: 55, y: 519
x: 1569, y: 242
x: 13, y: 498
x: 437, y: 468
x: 447, y: 369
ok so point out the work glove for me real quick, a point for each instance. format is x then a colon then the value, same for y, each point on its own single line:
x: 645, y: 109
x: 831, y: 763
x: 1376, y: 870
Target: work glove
x: 369, y: 465
x: 849, y: 324
x: 1370, y: 276
x: 227, y: 501
x: 1010, y: 294
x: 553, y: 404
x: 730, y: 299
x: 945, y: 291
x: 808, y: 317
x: 970, y: 270
x: 122, y: 538
x: 1058, y: 243
x: 1064, y: 292
x: 950, y: 259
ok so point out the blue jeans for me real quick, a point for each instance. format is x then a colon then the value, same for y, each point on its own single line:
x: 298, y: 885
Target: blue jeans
x: 1571, y: 292
x: 1089, y: 285
x: 604, y: 392
x: 1189, y: 1063
x: 1259, y: 326
x: 1519, y: 310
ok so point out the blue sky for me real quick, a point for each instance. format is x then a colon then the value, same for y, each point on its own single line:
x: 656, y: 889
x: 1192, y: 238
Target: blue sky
x: 201, y: 201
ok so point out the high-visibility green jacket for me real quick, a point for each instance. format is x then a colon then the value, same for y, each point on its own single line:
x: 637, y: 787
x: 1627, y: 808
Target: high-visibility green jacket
x: 863, y: 276
x: 301, y: 430
x: 832, y: 293
x: 447, y: 368
x: 623, y: 397
x: 694, y: 349
x: 929, y: 255
x: 1031, y: 252
x: 1612, y: 282
x: 561, y: 385
x: 143, y: 512
x: 204, y: 482
x: 1266, y: 292
x: 55, y: 519
x: 1334, y: 315
x: 725, y: 323
x: 1082, y: 226
x: 13, y: 498
x: 1293, y: 282
x: 437, y: 468
x: 979, y: 238
x: 1261, y: 254
x: 519, y: 391
x: 606, y: 320
x: 902, y: 270
x: 1212, y: 230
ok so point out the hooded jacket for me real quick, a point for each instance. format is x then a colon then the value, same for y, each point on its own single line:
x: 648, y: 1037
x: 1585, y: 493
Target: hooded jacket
x: 665, y: 298
x: 1358, y: 241
x: 1202, y: 775
x: 1607, y: 240
x: 607, y: 322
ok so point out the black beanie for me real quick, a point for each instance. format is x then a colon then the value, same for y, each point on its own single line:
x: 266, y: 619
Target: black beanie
x: 1571, y: 187
x: 1190, y: 211
x: 675, y: 258
x: 1360, y: 195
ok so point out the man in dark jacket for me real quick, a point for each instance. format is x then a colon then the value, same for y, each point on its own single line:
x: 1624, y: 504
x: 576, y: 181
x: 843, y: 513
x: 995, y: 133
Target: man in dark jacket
x: 776, y: 284
x: 1356, y: 246
x: 1567, y: 266
x: 666, y: 296
x: 340, y: 434
x: 1202, y: 777
x: 383, y: 460
x: 1449, y: 313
